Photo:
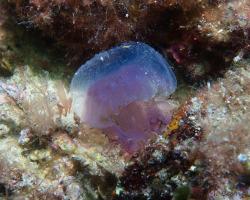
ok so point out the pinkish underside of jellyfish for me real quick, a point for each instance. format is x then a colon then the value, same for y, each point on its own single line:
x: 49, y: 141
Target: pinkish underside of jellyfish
x: 118, y: 91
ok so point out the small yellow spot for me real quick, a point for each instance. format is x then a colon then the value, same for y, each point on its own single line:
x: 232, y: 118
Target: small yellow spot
x: 173, y: 125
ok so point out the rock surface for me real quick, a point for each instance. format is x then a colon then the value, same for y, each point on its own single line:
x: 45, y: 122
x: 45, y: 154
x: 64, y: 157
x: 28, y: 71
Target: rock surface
x: 203, y: 153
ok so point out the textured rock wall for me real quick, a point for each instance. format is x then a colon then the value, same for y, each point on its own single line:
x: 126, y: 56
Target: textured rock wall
x: 200, y: 37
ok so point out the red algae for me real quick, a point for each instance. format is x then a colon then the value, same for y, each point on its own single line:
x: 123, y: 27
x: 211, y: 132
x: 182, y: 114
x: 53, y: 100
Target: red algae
x: 192, y: 37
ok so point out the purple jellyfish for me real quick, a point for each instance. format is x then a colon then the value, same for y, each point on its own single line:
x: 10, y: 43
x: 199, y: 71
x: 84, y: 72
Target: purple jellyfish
x: 123, y: 91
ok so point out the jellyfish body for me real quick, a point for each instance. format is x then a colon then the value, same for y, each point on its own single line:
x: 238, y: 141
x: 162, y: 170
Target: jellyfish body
x: 117, y: 89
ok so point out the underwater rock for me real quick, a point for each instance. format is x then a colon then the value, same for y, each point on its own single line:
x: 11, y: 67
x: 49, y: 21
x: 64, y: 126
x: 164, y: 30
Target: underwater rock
x: 54, y: 154
x: 122, y: 91
x: 205, y: 147
x: 4, y: 130
x: 201, y: 37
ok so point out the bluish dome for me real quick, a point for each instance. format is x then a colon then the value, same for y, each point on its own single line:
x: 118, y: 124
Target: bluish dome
x: 113, y: 79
